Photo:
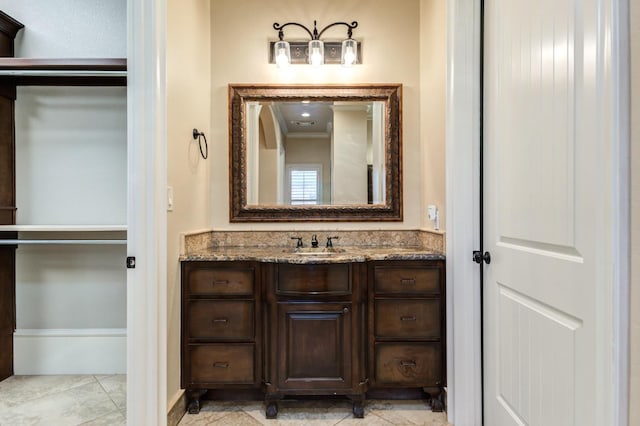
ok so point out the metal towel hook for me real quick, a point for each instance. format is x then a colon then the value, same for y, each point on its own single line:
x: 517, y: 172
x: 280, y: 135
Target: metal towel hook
x: 200, y: 136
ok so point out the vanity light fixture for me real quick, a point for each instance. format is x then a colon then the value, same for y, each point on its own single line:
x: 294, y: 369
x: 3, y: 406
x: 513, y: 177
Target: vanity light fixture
x: 315, y: 51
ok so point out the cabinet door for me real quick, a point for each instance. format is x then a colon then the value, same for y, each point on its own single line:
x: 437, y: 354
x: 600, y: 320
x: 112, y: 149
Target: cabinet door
x: 314, y: 346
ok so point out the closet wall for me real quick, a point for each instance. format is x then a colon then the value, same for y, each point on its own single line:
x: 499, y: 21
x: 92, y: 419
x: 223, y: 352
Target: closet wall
x: 71, y: 145
x: 634, y: 367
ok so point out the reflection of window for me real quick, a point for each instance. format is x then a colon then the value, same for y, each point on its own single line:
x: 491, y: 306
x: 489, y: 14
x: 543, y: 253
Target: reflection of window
x: 304, y: 183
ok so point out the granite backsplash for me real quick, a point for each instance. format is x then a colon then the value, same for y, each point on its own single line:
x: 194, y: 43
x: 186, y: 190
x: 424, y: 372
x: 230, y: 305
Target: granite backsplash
x: 432, y: 241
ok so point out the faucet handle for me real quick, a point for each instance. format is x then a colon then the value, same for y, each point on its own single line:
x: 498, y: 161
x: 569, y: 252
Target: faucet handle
x: 330, y: 241
x: 299, y: 243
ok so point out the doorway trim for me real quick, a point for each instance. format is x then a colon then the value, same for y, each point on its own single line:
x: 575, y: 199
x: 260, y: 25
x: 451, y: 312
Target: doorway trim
x: 146, y: 215
x: 146, y: 341
x: 464, y: 396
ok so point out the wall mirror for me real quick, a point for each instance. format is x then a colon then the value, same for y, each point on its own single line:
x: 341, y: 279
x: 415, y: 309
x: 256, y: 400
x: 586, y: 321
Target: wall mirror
x: 315, y: 153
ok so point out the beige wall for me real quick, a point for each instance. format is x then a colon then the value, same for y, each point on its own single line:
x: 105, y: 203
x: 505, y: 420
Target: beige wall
x: 433, y: 36
x: 349, y: 152
x: 268, y: 178
x: 188, y: 106
x: 390, y: 32
x: 634, y: 418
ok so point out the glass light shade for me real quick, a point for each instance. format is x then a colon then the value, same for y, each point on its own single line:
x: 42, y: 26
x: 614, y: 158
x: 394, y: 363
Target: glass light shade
x: 349, y: 52
x: 316, y: 53
x: 282, y: 53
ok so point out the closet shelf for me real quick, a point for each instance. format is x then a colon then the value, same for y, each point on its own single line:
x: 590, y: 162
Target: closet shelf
x: 62, y: 228
x: 64, y: 72
x: 66, y: 241
x: 63, y: 234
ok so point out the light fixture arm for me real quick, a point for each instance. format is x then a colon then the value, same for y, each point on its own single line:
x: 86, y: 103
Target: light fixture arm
x: 280, y: 28
x: 350, y: 28
x: 315, y: 35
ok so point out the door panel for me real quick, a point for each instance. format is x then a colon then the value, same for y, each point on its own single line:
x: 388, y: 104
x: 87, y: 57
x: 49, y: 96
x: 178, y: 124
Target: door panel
x: 315, y: 346
x: 545, y: 191
x: 534, y: 340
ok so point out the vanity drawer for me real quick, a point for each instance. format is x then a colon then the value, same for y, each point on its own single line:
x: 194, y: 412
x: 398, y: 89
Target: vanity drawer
x: 406, y: 280
x: 221, y: 281
x: 221, y: 319
x: 407, y: 318
x: 408, y: 364
x: 313, y: 279
x: 222, y: 364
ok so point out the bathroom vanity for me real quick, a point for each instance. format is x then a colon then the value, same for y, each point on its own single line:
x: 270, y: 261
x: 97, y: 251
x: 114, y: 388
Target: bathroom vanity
x: 278, y: 323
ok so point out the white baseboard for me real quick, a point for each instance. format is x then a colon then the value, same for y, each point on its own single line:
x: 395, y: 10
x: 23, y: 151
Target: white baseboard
x: 70, y: 351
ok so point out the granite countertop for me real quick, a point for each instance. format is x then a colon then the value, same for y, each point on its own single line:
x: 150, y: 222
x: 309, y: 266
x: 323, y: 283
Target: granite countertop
x: 311, y: 255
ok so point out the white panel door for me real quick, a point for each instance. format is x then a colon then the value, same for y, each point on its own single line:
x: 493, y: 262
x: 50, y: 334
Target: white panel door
x: 547, y: 348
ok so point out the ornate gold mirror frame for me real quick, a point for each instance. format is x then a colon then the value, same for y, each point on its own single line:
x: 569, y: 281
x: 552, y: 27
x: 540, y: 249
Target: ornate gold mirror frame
x: 241, y: 94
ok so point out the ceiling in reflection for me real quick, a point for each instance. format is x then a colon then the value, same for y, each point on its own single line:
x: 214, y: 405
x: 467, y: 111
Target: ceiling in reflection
x: 304, y: 117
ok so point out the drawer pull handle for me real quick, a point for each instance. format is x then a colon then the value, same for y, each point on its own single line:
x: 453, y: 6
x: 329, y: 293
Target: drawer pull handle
x: 220, y: 282
x: 221, y: 365
x: 408, y: 363
x: 407, y: 281
x: 411, y: 318
x: 223, y: 320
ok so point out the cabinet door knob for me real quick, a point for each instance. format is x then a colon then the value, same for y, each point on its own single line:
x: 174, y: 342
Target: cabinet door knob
x: 345, y: 310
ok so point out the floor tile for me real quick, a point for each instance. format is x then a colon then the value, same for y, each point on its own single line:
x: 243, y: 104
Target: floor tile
x: 72, y: 407
x: 291, y: 412
x: 407, y: 413
x: 210, y: 413
x: 113, y: 419
x: 230, y: 419
x: 370, y: 419
x: 18, y: 389
x: 316, y: 412
x: 101, y: 401
x: 116, y: 388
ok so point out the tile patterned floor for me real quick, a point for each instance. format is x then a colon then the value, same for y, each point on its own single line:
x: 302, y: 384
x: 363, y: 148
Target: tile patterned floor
x: 101, y: 401
x: 65, y: 400
x: 316, y: 413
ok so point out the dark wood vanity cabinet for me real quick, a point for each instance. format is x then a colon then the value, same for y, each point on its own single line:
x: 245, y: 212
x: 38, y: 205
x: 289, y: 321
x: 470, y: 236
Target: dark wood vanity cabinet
x: 407, y: 327
x: 221, y: 328
x: 309, y: 329
x: 315, y: 332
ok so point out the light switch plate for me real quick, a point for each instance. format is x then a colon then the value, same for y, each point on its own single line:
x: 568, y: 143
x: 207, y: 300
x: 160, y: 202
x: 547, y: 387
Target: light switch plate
x: 169, y: 198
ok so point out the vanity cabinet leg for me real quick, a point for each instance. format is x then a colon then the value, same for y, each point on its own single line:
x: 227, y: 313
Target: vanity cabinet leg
x: 358, y: 406
x: 272, y: 410
x: 358, y: 410
x: 437, y: 405
x: 194, y: 400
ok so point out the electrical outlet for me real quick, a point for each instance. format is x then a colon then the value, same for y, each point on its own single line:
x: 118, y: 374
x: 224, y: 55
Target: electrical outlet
x: 433, y: 215
x: 432, y: 211
x: 169, y: 198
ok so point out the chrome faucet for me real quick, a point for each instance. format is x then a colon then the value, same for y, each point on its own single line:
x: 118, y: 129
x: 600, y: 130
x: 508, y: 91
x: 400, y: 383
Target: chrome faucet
x: 299, y: 243
x: 314, y: 241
